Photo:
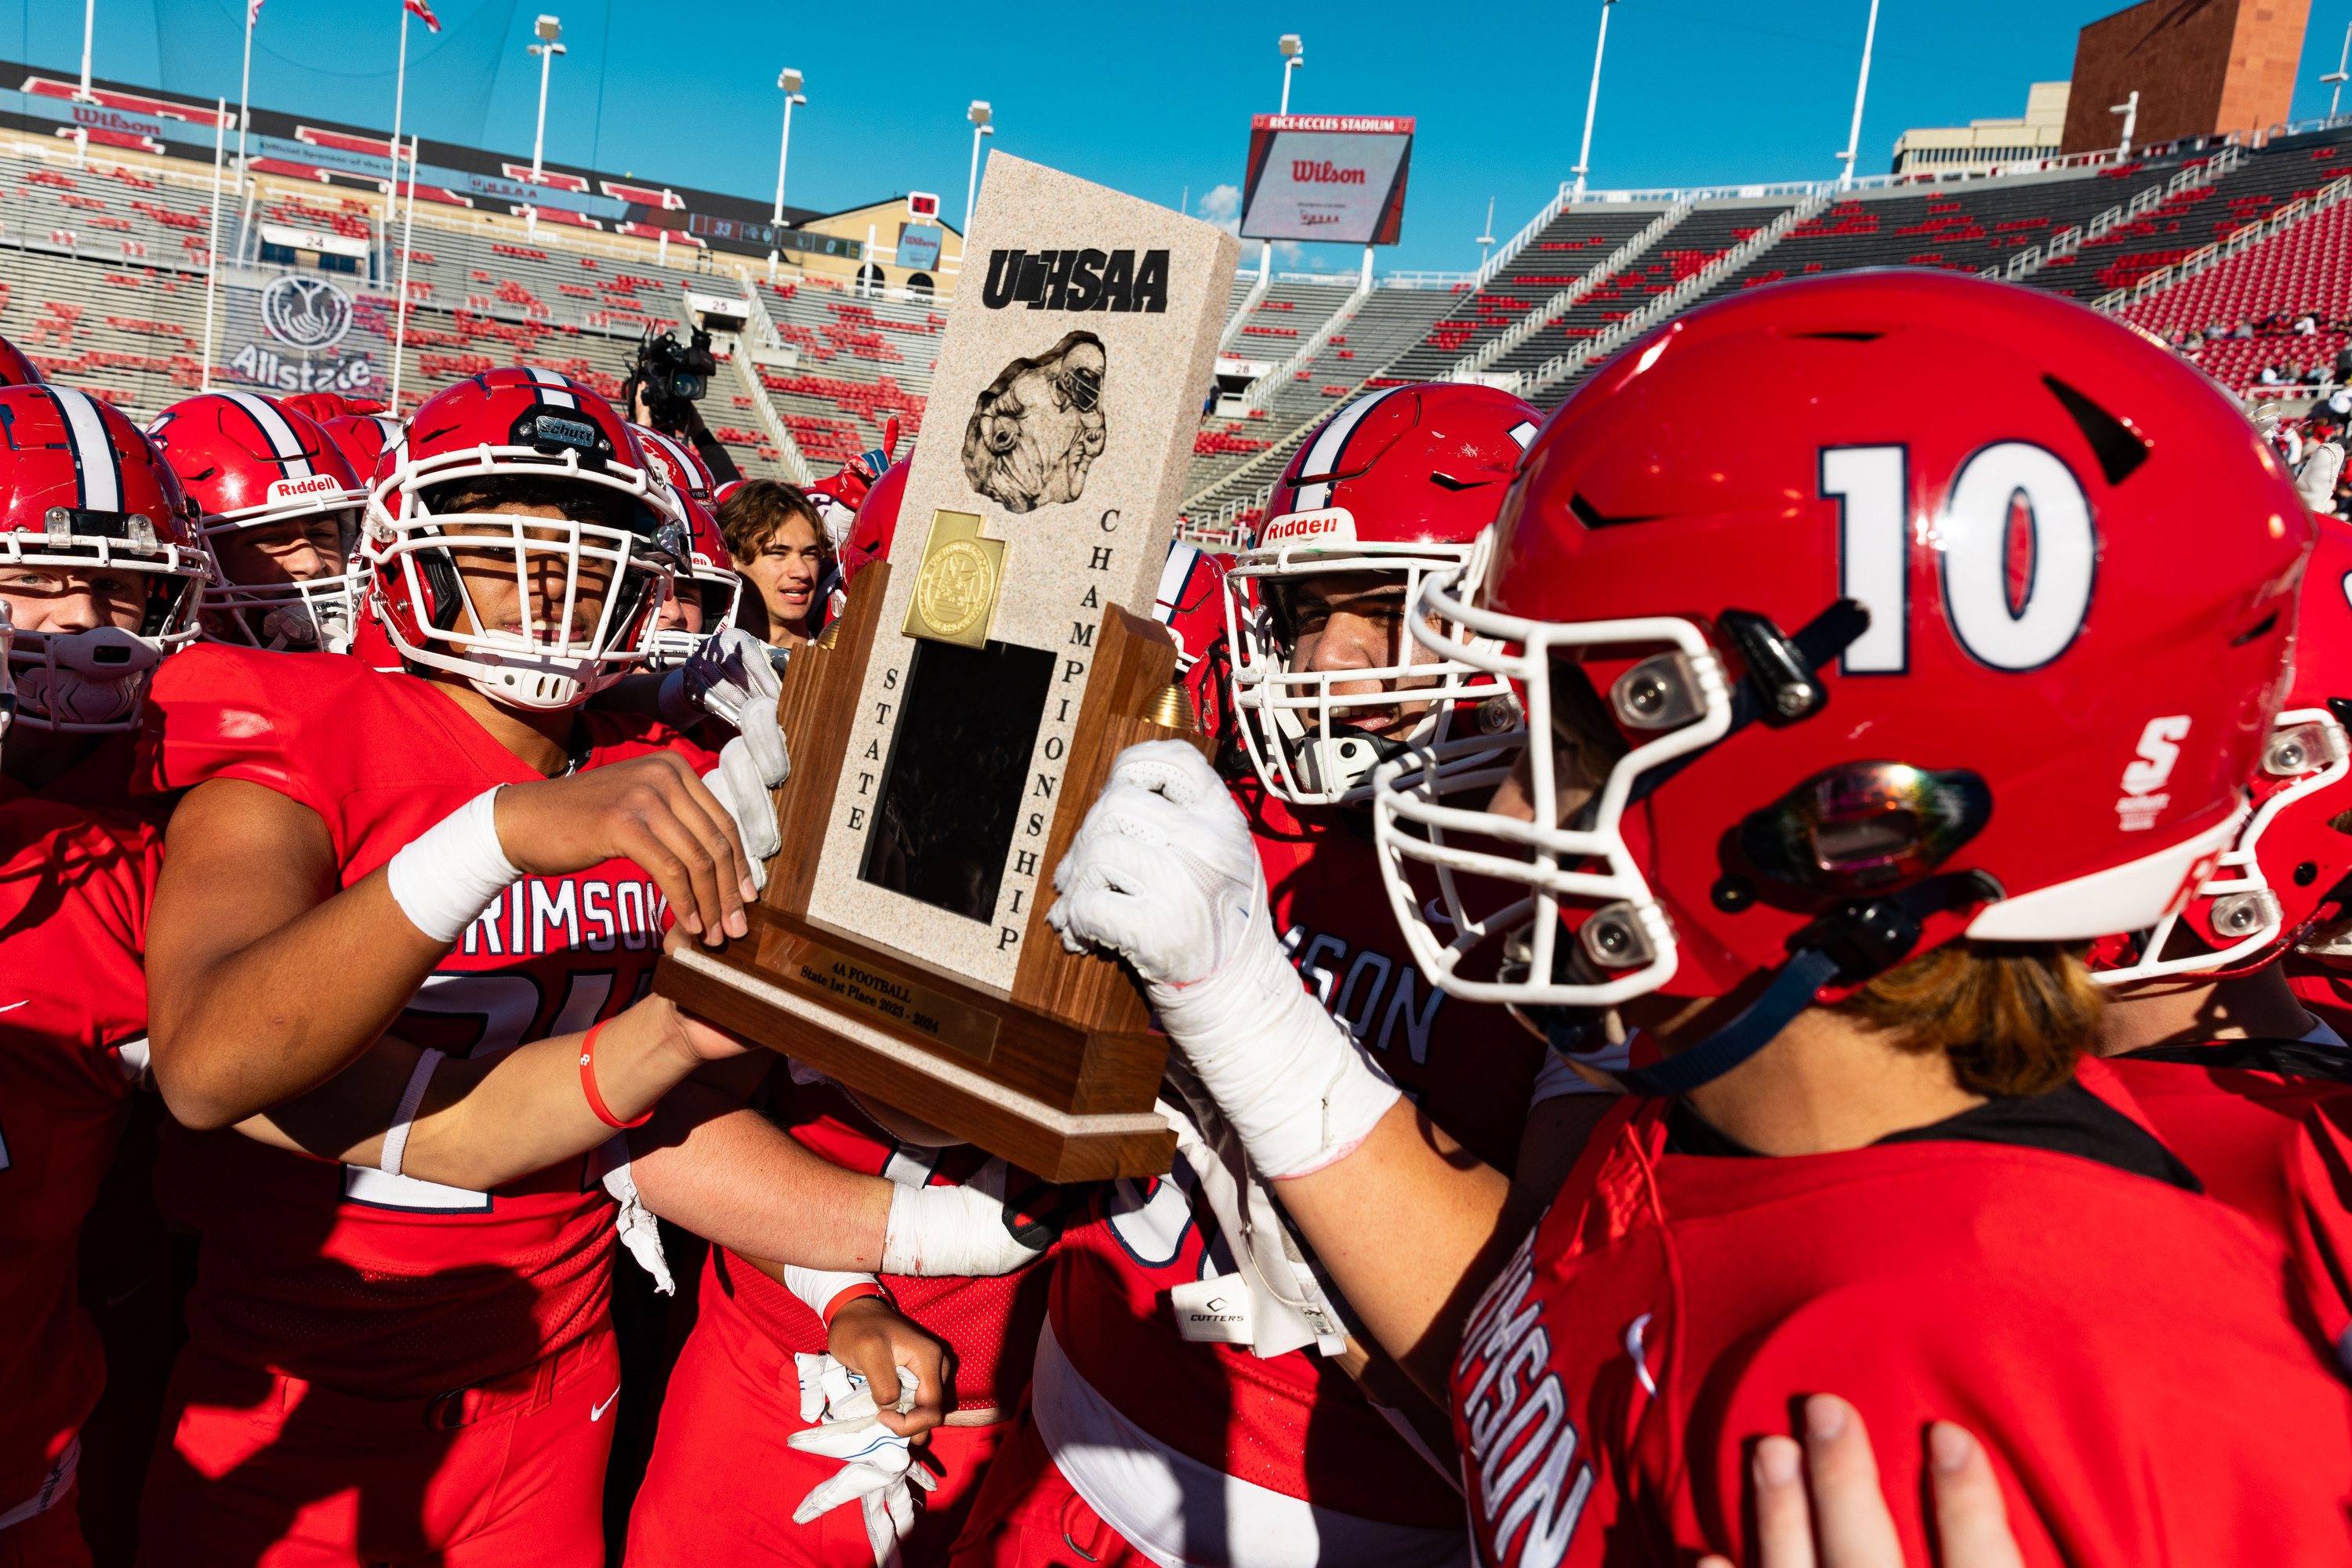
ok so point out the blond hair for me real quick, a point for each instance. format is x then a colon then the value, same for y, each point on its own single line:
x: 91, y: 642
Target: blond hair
x: 2012, y: 1016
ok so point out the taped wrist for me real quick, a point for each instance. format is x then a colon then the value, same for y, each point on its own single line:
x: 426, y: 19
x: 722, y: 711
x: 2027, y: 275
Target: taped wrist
x: 951, y: 1232
x: 448, y: 876
x: 1299, y: 1091
x: 816, y: 1287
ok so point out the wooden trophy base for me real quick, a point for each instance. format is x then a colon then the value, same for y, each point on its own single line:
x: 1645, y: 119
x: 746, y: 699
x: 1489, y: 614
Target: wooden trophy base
x: 1059, y: 1075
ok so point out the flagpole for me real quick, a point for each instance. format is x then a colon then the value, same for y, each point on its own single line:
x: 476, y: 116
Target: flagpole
x: 399, y: 96
x: 211, y: 247
x: 407, y: 235
x: 244, y: 92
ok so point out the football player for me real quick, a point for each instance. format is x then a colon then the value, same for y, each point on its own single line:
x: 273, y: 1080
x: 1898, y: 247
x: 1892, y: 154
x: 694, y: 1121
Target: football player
x: 99, y: 565
x: 1182, y: 1365
x: 2201, y: 1024
x: 280, y: 507
x: 456, y: 854
x: 1852, y: 715
x: 103, y: 568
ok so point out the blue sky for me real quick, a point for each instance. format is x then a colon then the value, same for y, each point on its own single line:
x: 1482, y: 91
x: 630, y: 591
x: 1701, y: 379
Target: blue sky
x: 1154, y: 101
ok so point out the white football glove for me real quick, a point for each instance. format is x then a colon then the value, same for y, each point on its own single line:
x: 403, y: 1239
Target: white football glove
x: 956, y: 1232
x: 736, y: 781
x: 1163, y: 871
x: 877, y: 1465
x: 732, y: 675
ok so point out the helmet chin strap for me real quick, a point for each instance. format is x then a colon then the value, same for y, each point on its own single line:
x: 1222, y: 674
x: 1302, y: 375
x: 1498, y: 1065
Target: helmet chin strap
x: 1847, y: 946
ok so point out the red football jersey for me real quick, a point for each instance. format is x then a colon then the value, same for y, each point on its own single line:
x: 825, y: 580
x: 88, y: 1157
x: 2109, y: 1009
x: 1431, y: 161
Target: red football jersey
x: 990, y: 1323
x: 2125, y: 1350
x: 1292, y: 1423
x: 2276, y: 1146
x: 74, y: 886
x: 100, y: 779
x: 2323, y: 988
x: 390, y: 1286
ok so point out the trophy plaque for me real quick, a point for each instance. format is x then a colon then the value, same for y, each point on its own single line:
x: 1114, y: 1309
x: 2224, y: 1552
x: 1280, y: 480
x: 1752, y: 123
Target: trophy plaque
x: 958, y: 719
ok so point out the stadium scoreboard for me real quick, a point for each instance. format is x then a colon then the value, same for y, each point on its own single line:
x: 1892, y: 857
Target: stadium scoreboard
x: 1332, y: 177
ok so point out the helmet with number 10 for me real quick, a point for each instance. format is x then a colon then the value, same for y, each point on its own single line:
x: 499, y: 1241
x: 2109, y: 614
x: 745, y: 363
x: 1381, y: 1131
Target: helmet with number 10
x: 1394, y: 487
x: 1870, y: 613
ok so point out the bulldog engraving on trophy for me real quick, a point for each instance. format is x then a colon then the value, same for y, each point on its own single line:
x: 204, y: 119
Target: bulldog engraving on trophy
x: 1038, y: 427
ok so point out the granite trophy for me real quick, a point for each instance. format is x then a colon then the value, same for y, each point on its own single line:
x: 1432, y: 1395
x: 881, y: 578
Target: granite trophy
x: 952, y: 728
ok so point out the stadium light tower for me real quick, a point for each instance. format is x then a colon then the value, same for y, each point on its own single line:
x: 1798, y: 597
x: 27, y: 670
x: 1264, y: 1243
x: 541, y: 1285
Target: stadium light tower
x: 88, y: 26
x: 549, y: 29
x: 1591, y: 102
x: 1486, y: 234
x: 1294, y: 55
x: 2335, y: 103
x: 1861, y: 91
x: 2129, y: 109
x: 789, y: 80
x: 979, y: 115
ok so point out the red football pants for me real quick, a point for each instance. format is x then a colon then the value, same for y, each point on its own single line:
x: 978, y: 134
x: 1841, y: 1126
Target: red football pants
x: 50, y: 1538
x: 262, y: 1471
x: 724, y: 1479
x: 1028, y: 1516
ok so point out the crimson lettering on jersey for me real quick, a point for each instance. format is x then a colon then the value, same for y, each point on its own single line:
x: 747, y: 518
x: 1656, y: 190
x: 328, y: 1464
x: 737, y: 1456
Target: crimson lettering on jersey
x: 1518, y: 1446
x: 1469, y: 1065
x: 74, y: 885
x: 1671, y: 1306
x: 387, y: 1285
x: 990, y: 1323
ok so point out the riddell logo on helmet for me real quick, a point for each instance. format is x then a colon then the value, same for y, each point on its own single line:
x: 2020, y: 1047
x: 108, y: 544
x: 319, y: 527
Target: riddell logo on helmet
x: 1332, y: 525
x: 303, y: 488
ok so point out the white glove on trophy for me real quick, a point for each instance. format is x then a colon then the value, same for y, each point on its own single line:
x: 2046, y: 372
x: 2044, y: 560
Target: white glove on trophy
x: 878, y: 1467
x: 728, y: 676
x: 1163, y: 872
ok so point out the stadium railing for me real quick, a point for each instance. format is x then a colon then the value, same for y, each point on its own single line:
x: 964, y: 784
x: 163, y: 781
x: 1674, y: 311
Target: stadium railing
x: 1551, y: 310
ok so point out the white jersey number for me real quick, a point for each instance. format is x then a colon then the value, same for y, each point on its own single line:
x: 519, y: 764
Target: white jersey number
x: 2001, y: 488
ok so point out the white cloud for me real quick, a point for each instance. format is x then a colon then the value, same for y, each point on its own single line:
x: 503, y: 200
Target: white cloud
x: 1223, y: 206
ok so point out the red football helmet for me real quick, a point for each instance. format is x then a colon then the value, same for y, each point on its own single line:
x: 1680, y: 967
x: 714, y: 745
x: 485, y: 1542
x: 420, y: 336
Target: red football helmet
x: 877, y: 523
x: 82, y: 491
x: 322, y: 406
x: 680, y: 464
x: 249, y: 462
x: 364, y: 439
x: 523, y: 424
x: 1190, y: 603
x: 1399, y: 482
x: 16, y: 368
x: 2279, y: 879
x: 1855, y: 675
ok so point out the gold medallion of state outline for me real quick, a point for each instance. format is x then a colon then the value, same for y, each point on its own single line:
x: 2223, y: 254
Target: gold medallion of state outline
x: 956, y: 586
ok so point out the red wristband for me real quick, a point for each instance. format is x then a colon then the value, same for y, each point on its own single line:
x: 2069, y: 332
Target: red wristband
x: 588, y: 1082
x: 848, y: 1294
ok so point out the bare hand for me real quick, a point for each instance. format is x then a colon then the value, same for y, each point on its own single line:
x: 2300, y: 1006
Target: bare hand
x: 650, y: 809
x: 869, y: 1337
x: 1820, y: 1506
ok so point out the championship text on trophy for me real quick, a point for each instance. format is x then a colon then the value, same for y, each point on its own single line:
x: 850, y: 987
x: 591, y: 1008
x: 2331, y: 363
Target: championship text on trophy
x: 949, y: 736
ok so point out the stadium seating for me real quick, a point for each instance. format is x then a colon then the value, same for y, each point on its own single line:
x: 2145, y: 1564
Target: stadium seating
x: 105, y: 263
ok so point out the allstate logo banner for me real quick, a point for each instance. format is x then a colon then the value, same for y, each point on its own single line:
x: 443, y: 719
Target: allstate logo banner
x: 302, y: 332
x: 1334, y: 177
x: 309, y: 313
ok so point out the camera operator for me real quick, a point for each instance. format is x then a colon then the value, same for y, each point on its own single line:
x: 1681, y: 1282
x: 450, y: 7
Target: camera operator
x: 666, y: 382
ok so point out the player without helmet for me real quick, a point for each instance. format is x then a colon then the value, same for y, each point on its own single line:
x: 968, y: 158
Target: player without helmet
x: 1393, y: 488
x: 521, y: 539
x: 280, y: 506
x: 100, y: 561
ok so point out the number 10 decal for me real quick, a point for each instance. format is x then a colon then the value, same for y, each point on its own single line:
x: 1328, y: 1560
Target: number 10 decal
x: 1998, y: 487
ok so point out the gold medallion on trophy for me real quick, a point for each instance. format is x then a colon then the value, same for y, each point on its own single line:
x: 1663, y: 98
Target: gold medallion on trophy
x: 955, y: 589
